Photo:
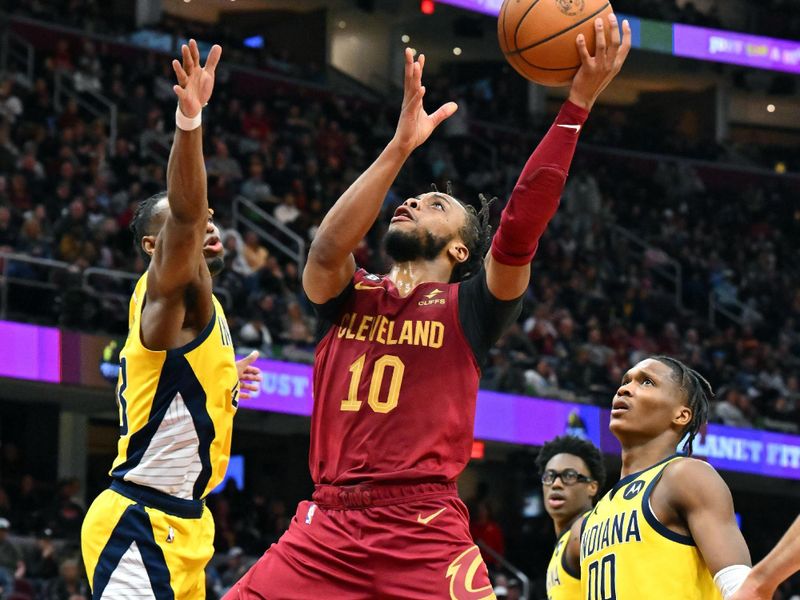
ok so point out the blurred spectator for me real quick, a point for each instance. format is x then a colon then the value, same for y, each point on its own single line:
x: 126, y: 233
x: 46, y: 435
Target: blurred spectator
x: 729, y: 410
x: 11, y: 563
x: 486, y: 532
x: 68, y: 585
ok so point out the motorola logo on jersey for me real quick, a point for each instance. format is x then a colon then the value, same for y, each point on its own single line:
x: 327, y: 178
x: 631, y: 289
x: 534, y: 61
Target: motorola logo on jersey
x: 633, y: 489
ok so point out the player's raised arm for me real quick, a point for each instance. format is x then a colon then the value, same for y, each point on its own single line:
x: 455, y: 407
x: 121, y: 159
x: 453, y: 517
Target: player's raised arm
x: 178, y: 256
x: 330, y: 262
x: 777, y: 566
x: 537, y: 192
x: 707, y: 508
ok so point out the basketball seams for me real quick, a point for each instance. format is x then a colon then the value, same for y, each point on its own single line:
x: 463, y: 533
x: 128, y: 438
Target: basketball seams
x: 519, y: 51
x: 519, y: 24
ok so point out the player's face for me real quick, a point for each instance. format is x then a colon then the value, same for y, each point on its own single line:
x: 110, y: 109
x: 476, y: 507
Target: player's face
x: 424, y: 226
x: 649, y: 403
x: 561, y: 501
x: 213, y: 250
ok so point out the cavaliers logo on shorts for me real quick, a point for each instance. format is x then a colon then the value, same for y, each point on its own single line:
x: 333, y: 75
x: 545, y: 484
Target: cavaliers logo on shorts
x: 463, y: 573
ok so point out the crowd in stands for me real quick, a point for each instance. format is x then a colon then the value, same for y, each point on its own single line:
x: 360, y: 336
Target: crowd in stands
x: 595, y: 305
x: 597, y: 302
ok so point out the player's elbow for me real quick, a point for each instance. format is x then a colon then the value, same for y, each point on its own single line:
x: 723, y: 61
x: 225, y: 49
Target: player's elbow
x: 324, y: 253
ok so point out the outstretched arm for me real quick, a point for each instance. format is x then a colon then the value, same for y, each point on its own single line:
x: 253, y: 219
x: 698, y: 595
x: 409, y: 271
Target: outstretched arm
x: 178, y: 256
x: 536, y: 195
x: 777, y: 566
x: 330, y: 264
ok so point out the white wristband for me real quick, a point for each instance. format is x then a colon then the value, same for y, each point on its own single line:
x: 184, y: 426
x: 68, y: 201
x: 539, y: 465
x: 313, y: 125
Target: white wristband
x: 730, y: 579
x: 185, y: 123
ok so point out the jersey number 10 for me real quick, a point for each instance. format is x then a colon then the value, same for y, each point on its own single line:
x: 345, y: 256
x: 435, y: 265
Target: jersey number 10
x: 353, y: 404
x: 602, y: 579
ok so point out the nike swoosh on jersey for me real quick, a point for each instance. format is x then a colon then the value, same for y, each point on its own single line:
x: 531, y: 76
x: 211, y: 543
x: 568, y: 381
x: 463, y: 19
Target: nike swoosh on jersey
x: 429, y: 518
x: 575, y: 128
x: 361, y: 286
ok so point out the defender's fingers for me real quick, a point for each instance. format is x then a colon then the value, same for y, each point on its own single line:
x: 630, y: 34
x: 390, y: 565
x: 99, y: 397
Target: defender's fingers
x: 179, y: 72
x: 187, y: 59
x: 195, y: 51
x: 444, y: 112
x: 212, y: 60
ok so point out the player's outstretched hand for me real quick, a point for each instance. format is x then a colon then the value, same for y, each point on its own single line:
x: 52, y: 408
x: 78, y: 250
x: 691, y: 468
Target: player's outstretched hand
x: 751, y: 591
x: 597, y: 71
x: 195, y: 83
x: 415, y: 125
x: 248, y: 374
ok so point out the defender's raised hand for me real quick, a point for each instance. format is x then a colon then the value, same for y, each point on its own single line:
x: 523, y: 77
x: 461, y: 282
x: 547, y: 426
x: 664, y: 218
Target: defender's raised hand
x: 195, y: 83
x: 597, y: 71
x: 415, y: 125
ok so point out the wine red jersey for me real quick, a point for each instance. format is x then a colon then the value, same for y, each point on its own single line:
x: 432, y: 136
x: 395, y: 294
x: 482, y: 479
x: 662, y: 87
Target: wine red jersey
x: 395, y: 384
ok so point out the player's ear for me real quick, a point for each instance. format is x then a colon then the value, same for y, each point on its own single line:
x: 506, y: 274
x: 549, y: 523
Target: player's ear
x: 683, y: 416
x: 593, y: 488
x: 149, y: 244
x: 458, y: 251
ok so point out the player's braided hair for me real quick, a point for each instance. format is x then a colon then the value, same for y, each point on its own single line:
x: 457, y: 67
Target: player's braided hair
x: 476, y: 235
x: 140, y: 224
x: 699, y: 395
x: 583, y: 449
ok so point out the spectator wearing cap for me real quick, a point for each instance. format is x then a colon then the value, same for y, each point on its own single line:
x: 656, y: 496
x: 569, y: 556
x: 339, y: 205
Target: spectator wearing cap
x: 11, y: 564
x: 235, y: 567
x: 43, y: 563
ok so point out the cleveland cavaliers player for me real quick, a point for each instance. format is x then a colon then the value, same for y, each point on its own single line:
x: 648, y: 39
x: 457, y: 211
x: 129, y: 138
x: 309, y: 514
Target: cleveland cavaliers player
x: 396, y: 375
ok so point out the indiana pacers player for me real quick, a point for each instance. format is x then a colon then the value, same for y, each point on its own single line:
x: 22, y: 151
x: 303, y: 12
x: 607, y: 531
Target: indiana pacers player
x: 667, y: 528
x: 573, y: 474
x: 150, y: 534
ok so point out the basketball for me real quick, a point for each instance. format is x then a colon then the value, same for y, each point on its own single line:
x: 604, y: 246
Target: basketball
x: 537, y: 37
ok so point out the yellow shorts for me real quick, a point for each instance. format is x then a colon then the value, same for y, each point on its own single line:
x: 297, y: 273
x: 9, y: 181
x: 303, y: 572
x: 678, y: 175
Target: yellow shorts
x: 131, y: 548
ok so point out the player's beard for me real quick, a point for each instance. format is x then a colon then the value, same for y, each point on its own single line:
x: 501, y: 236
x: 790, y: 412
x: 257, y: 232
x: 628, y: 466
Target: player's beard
x: 406, y: 247
x: 215, y: 264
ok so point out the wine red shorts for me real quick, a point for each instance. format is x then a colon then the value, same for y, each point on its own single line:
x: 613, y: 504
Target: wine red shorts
x: 372, y: 542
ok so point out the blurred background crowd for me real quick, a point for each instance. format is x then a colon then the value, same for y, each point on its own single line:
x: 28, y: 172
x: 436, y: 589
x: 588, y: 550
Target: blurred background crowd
x: 650, y: 252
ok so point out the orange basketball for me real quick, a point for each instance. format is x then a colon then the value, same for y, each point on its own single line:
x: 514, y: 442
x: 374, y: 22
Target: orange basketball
x: 537, y: 37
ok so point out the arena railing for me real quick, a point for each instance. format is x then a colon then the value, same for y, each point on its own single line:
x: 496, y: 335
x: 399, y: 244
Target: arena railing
x: 93, y: 102
x: 725, y: 305
x: 523, y: 579
x: 118, y: 286
x: 17, y: 56
x: 7, y: 279
x: 245, y: 210
x: 668, y: 267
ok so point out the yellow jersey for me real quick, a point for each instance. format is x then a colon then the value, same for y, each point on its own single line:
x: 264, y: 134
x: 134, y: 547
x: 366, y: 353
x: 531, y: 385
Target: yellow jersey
x: 176, y: 408
x: 562, y: 584
x: 627, y: 554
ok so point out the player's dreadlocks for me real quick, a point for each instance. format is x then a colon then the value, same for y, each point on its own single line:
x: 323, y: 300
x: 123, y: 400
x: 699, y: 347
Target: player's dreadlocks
x: 699, y: 395
x: 476, y: 234
x: 140, y: 224
x: 583, y: 449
